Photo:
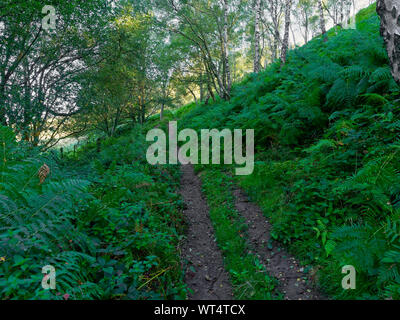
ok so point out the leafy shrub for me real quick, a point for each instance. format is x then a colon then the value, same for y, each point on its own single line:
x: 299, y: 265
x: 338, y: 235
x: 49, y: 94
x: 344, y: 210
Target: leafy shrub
x: 109, y: 225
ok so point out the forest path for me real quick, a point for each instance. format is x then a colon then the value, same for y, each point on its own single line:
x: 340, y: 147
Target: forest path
x: 293, y: 281
x: 205, y: 273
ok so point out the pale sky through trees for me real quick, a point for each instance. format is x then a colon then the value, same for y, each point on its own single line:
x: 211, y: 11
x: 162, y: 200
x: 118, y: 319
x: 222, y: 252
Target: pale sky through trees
x: 359, y: 4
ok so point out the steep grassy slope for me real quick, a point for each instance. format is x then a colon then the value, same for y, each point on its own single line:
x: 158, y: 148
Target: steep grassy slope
x: 327, y: 175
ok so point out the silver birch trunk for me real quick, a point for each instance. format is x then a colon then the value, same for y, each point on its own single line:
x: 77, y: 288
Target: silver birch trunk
x: 257, y: 56
x: 321, y: 18
x: 226, y: 51
x: 389, y: 12
x: 285, y: 43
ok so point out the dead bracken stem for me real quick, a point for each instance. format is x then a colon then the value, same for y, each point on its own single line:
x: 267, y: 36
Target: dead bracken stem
x: 43, y: 172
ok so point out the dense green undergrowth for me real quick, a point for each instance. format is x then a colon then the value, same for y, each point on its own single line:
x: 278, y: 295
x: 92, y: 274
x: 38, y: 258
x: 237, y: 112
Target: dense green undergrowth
x: 107, y: 221
x: 326, y: 175
x: 327, y: 172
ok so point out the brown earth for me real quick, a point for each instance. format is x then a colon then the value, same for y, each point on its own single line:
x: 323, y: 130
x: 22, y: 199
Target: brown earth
x: 293, y: 282
x: 203, y: 264
x: 204, y: 269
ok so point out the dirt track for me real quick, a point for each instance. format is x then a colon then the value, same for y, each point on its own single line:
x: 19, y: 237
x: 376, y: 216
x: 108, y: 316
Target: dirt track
x: 277, y: 261
x: 205, y: 274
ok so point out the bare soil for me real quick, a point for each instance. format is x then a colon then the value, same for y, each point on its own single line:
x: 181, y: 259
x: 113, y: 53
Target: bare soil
x: 203, y: 264
x: 278, y: 262
x: 204, y: 269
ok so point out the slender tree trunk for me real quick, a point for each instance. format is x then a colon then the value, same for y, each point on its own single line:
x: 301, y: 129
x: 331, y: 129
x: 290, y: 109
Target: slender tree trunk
x: 162, y: 111
x: 3, y: 111
x: 257, y: 56
x: 285, y: 44
x: 274, y: 11
x: 209, y: 88
x: 193, y: 94
x: 222, y: 65
x: 389, y: 12
x: 322, y: 19
x: 226, y: 52
x: 277, y: 38
x: 276, y: 42
x: 3, y: 120
x: 306, y: 31
x: 341, y: 6
x: 348, y: 13
x: 201, y: 86
x: 142, y: 104
x: 274, y: 49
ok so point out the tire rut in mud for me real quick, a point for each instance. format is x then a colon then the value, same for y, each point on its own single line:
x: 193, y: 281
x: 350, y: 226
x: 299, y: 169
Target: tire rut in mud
x: 202, y: 260
x: 277, y: 261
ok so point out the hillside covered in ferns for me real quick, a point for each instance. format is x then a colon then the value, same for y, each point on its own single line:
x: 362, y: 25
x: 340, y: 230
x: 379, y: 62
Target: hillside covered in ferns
x: 327, y: 176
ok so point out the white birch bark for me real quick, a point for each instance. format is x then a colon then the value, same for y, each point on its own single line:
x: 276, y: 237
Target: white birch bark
x: 389, y: 12
x: 257, y: 56
x: 226, y: 50
x: 285, y: 43
x: 321, y: 18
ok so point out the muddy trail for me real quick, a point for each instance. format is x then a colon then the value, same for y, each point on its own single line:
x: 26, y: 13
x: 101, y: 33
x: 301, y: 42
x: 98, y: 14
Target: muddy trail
x: 293, y: 282
x: 203, y: 264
